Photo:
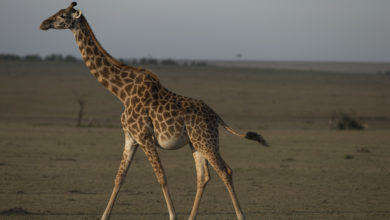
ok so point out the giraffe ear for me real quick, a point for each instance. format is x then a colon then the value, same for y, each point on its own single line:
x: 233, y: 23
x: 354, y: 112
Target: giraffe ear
x: 77, y: 14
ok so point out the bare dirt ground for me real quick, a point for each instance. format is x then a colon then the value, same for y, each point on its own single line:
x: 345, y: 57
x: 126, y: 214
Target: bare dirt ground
x: 49, y: 169
x: 338, y: 67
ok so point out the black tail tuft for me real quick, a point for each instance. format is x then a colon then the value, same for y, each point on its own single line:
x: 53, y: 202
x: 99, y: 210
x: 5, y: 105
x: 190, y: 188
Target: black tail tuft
x: 256, y: 137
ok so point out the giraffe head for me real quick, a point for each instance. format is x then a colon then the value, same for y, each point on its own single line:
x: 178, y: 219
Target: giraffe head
x: 63, y: 19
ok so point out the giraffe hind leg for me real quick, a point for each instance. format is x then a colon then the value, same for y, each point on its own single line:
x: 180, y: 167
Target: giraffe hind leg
x: 204, y: 137
x: 226, y: 175
x: 209, y: 150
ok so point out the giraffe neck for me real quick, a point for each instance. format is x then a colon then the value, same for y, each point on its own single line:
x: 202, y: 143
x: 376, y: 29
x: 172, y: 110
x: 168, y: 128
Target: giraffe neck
x: 102, y: 65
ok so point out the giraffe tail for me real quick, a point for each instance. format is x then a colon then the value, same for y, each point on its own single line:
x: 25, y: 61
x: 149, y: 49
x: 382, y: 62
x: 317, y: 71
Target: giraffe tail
x: 249, y: 135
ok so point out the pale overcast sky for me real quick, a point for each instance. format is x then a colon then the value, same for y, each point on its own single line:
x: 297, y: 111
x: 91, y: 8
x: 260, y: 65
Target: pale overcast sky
x: 321, y: 30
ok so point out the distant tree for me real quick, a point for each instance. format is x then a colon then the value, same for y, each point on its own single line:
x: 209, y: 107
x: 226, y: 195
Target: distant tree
x: 70, y: 58
x: 9, y: 57
x: 121, y: 60
x: 54, y: 57
x: 148, y: 61
x: 33, y: 57
x: 198, y: 63
x: 169, y: 62
x: 134, y: 61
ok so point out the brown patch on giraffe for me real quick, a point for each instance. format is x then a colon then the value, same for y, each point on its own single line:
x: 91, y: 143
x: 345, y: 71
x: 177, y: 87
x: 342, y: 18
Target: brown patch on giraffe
x: 96, y: 51
x: 116, y: 81
x: 166, y: 115
x: 178, y: 126
x: 152, y: 114
x: 105, y: 72
x: 85, y: 42
x: 92, y: 66
x: 124, y: 74
x: 157, y: 126
x: 114, y: 69
x: 99, y: 62
x: 104, y: 83
x: 90, y: 42
x: 170, y: 121
x: 119, y: 79
x: 134, y: 126
x: 88, y: 50
x: 123, y: 95
x: 134, y: 100
x: 154, y: 104
x: 171, y: 130
x: 137, y: 108
x: 139, y: 79
x: 80, y: 37
x: 106, y: 63
x: 147, y: 99
x: 114, y: 89
x: 160, y: 109
x: 132, y: 75
x: 174, y: 113
x: 163, y: 126
x: 128, y: 89
x: 148, y: 83
x: 160, y: 118
x: 134, y: 115
x: 127, y: 103
x: 141, y: 90
x: 127, y: 80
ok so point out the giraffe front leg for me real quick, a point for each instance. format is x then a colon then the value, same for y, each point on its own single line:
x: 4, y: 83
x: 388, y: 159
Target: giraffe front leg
x: 151, y: 152
x: 128, y: 154
x: 203, y: 176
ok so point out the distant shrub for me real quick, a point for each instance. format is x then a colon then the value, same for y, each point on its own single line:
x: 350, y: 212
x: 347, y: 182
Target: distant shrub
x: 60, y: 57
x: 148, y: 61
x: 344, y: 121
x: 33, y: 57
x: 169, y: 62
x: 70, y: 58
x: 198, y: 63
x: 9, y: 57
x: 134, y: 61
x: 348, y: 156
x: 54, y: 57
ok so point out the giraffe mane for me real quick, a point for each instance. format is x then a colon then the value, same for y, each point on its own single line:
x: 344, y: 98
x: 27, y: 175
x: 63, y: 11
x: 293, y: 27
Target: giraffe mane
x: 107, y: 55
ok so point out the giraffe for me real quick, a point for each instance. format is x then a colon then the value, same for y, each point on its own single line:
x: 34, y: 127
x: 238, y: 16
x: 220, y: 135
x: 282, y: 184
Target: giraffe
x: 153, y: 117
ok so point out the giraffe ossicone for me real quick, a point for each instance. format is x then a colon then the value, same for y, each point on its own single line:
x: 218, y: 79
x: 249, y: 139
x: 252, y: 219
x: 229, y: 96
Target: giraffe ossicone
x: 153, y: 116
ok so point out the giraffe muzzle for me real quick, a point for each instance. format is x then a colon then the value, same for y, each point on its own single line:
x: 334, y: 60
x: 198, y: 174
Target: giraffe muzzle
x: 46, y: 24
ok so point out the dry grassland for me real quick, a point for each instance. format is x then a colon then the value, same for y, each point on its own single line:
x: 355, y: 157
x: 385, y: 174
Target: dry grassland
x: 49, y: 169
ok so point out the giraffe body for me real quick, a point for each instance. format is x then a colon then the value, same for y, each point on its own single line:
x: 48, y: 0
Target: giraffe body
x: 153, y: 116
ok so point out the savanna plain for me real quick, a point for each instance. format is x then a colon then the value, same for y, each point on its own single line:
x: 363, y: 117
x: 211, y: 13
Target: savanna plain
x: 51, y: 169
